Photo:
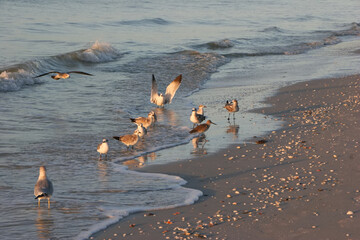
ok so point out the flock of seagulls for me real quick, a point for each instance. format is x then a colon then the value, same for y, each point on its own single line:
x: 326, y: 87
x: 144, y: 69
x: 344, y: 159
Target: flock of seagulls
x: 44, y: 189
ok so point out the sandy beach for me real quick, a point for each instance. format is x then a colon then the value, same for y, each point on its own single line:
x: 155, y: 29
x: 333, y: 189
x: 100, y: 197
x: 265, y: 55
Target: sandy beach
x: 301, y: 182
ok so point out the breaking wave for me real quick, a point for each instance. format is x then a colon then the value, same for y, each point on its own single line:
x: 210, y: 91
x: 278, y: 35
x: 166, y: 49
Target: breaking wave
x: 221, y: 44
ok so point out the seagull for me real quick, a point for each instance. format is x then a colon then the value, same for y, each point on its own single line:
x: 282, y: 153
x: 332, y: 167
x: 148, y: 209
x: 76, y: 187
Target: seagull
x: 194, y: 117
x: 130, y: 139
x: 232, y: 107
x: 201, y: 109
x: 160, y: 99
x: 103, y: 148
x: 43, y: 187
x: 63, y: 75
x: 142, y: 130
x: 200, y: 112
x: 202, y: 127
x: 146, y: 122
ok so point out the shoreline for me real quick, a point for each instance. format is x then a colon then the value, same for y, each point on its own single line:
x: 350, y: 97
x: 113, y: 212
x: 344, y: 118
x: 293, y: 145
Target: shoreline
x: 282, y: 189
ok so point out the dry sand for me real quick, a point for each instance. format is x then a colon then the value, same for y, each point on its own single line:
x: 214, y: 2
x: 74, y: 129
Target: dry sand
x: 303, y: 183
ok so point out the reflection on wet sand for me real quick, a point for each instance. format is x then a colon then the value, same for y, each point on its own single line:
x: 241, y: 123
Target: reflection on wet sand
x: 199, y: 144
x: 169, y: 115
x: 233, y: 129
x: 44, y: 223
x: 140, y: 161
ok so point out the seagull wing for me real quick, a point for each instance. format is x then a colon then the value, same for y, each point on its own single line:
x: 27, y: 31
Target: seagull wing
x: 172, y: 88
x: 79, y: 72
x: 99, y: 145
x: 43, y: 186
x: 46, y: 74
x: 154, y: 90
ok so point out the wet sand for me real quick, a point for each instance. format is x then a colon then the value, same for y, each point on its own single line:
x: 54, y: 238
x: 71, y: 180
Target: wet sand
x: 302, y: 183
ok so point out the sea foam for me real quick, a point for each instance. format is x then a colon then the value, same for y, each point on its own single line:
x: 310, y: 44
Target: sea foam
x: 116, y: 214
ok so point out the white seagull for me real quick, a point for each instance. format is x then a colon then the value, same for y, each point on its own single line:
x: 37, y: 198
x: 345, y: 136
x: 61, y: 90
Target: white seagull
x: 160, y: 99
x: 194, y: 117
x: 103, y: 148
x: 64, y: 75
x: 142, y: 130
x: 43, y: 187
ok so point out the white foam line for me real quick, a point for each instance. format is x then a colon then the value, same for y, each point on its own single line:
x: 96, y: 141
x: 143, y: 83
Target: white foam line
x: 115, y: 215
x: 156, y: 149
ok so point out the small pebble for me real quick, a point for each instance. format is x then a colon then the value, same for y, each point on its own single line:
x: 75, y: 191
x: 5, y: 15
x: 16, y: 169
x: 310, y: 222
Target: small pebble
x: 350, y: 213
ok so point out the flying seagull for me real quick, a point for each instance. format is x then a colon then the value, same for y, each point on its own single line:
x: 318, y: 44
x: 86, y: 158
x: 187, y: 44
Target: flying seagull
x: 162, y: 99
x: 43, y: 187
x: 65, y: 75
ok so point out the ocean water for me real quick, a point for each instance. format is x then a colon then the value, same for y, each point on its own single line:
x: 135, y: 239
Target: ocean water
x: 224, y: 50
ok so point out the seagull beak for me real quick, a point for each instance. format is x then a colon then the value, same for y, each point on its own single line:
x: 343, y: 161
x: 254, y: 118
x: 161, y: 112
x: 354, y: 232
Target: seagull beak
x: 214, y: 123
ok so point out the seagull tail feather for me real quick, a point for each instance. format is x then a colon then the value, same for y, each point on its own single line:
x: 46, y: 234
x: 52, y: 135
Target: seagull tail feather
x: 41, y: 195
x: 117, y: 138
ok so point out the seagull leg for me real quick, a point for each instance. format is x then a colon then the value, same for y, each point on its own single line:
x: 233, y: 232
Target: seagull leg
x: 38, y: 202
x: 48, y: 203
x: 229, y: 117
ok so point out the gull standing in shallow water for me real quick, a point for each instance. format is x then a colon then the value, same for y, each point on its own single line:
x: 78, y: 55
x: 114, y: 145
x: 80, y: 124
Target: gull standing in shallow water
x: 146, y: 122
x: 142, y: 130
x: 129, y: 140
x: 43, y: 187
x: 64, y: 75
x: 103, y: 148
x: 160, y: 99
x: 195, y: 118
x: 232, y: 107
x: 202, y: 127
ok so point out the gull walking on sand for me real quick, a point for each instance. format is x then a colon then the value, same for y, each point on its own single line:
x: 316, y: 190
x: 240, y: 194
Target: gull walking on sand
x: 232, y: 107
x: 103, y: 148
x: 43, y: 187
x: 64, y: 75
x: 129, y: 140
x: 202, y: 127
x: 145, y: 121
x: 160, y: 99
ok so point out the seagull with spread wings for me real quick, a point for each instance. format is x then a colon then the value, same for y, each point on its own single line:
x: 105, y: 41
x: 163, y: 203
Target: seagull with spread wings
x: 162, y: 99
x: 64, y: 75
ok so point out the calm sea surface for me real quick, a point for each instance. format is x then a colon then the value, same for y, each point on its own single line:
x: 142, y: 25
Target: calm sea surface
x: 224, y: 49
